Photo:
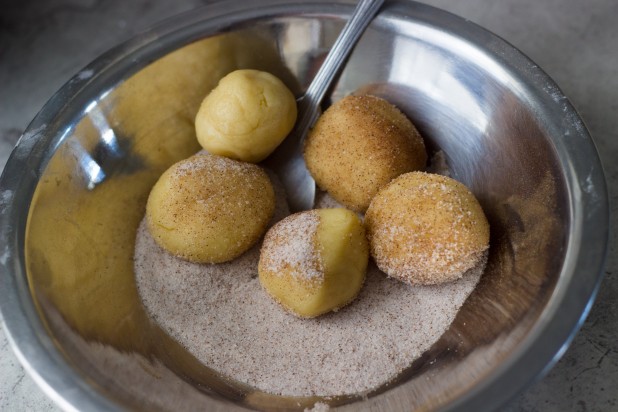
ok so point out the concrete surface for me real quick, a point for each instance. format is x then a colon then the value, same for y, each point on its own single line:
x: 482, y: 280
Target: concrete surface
x: 42, y: 44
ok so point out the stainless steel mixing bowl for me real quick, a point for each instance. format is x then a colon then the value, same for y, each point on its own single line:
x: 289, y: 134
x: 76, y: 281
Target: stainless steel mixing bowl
x: 75, y: 187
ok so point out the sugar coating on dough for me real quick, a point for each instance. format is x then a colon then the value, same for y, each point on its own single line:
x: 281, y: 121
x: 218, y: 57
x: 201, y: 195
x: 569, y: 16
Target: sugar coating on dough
x: 210, y: 209
x: 291, y: 246
x: 359, y: 145
x: 246, y: 116
x: 426, y: 229
x: 314, y: 262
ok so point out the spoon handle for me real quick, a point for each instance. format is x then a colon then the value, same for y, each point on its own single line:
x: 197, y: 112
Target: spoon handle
x: 363, y: 15
x: 287, y: 160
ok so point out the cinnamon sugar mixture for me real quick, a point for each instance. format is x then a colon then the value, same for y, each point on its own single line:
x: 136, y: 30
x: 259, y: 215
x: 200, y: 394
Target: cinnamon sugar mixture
x: 225, y: 319
x: 292, y: 235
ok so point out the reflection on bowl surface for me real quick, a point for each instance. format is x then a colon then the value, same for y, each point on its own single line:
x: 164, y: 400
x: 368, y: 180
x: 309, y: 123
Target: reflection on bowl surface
x: 506, y: 130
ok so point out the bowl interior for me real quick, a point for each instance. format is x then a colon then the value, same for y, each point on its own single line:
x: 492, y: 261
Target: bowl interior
x: 466, y: 99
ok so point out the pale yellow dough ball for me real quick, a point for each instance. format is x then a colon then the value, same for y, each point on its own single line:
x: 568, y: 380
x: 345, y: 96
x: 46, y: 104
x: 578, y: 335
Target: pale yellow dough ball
x: 314, y: 262
x: 210, y: 209
x: 360, y: 144
x: 246, y: 116
x: 426, y: 229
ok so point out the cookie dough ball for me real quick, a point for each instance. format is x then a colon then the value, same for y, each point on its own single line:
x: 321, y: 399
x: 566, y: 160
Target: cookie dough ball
x: 426, y: 229
x: 360, y: 144
x: 246, y: 116
x: 314, y: 262
x: 210, y: 209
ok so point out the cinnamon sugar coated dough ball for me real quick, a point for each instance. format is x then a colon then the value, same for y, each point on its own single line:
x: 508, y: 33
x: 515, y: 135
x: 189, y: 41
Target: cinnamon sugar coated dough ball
x: 246, y: 116
x: 315, y: 261
x: 210, y: 209
x: 426, y: 229
x: 360, y: 144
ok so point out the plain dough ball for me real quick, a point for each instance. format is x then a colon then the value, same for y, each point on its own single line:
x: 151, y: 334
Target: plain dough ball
x: 210, y: 209
x: 360, y: 144
x: 315, y: 261
x: 426, y: 229
x: 246, y: 116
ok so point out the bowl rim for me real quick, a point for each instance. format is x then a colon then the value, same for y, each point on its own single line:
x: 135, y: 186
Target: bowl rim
x: 539, y: 350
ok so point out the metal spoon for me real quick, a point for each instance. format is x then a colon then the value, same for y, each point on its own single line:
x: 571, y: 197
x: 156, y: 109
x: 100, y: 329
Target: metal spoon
x: 287, y: 161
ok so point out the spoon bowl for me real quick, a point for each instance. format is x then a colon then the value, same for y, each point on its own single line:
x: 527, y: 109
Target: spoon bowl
x: 287, y: 161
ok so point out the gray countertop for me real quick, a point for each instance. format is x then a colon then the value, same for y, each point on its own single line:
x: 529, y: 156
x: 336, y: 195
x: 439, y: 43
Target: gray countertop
x: 42, y: 44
